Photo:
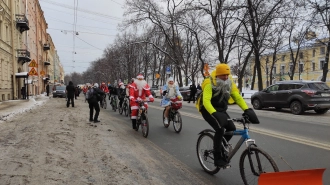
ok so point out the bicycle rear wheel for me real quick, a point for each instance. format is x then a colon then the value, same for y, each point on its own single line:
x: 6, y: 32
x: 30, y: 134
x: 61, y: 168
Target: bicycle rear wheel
x: 205, y: 156
x: 104, y: 103
x: 168, y: 124
x: 177, y: 122
x: 253, y: 162
x: 125, y: 108
x: 144, y: 126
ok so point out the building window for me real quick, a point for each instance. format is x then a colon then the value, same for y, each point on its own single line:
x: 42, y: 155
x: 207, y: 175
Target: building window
x: 313, y: 66
x: 322, y: 50
x: 321, y: 64
x: 301, y: 55
x: 291, y: 57
x: 291, y: 68
x: 274, y: 70
x: 301, y: 68
x: 283, y: 57
x: 314, y: 52
x: 282, y: 69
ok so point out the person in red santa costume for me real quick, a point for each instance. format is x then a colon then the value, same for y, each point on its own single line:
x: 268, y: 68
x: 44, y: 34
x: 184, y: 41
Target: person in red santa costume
x: 139, y: 90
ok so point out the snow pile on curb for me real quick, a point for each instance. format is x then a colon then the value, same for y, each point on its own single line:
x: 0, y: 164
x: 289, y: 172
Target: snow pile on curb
x: 14, y: 107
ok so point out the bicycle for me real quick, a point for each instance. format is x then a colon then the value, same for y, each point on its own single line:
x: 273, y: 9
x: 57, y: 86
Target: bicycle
x: 126, y: 107
x: 103, y: 104
x: 174, y: 115
x: 253, y: 160
x: 114, y: 103
x: 142, y: 119
x: 121, y: 108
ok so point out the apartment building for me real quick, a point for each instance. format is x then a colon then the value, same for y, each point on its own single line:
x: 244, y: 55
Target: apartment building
x: 26, y: 50
x: 309, y: 65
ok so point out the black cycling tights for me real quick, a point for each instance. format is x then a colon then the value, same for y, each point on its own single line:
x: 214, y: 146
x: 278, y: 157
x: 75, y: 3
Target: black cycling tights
x: 219, y: 129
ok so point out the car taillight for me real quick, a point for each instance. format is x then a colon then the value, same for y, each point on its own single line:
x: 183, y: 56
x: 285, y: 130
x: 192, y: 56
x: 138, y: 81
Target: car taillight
x: 309, y: 92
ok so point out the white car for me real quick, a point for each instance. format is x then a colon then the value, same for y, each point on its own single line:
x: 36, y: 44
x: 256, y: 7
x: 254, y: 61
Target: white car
x: 156, y: 92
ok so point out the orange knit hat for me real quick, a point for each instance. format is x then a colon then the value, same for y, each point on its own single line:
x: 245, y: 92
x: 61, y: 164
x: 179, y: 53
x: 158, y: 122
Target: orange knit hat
x: 222, y: 69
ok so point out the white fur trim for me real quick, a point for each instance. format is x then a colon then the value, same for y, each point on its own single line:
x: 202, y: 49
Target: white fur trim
x: 150, y: 96
x: 134, y: 107
x: 133, y: 117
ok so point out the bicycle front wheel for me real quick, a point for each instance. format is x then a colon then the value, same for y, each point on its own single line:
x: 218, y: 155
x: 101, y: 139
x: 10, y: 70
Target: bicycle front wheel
x: 145, y: 126
x: 253, y: 162
x: 125, y: 108
x: 177, y: 122
x: 205, y: 153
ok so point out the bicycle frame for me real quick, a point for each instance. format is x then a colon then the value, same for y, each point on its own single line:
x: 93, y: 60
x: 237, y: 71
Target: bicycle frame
x: 245, y: 137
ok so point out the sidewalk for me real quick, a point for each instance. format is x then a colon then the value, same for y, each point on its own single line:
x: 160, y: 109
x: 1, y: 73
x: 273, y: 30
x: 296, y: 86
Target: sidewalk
x: 53, y: 144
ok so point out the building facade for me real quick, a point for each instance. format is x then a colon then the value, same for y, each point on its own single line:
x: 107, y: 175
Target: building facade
x: 309, y: 65
x: 25, y: 56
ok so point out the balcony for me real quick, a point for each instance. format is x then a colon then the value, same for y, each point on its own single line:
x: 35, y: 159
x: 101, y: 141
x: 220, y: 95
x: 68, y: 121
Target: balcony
x: 22, y: 23
x: 46, y: 47
x: 23, y: 56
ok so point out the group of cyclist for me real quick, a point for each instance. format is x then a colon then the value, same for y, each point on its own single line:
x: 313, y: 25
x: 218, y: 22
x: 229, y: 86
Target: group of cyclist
x: 217, y: 89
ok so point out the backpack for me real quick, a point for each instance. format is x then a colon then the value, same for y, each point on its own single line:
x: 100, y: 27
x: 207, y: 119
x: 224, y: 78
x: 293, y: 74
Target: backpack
x: 199, y: 98
x: 89, y: 94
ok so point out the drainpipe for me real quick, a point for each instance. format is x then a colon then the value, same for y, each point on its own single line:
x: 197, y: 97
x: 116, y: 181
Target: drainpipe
x: 13, y: 50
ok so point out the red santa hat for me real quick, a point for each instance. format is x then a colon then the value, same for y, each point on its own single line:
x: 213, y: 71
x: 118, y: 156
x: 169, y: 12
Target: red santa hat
x: 139, y: 76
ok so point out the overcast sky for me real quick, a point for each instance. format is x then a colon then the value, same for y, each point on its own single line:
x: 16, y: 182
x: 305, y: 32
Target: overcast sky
x: 95, y: 21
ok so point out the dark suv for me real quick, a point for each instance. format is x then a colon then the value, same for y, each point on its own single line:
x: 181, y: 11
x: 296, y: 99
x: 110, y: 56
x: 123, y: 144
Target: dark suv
x: 299, y: 96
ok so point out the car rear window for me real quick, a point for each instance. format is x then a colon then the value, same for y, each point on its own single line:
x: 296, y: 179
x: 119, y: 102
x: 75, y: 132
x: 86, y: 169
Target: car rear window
x: 60, y: 87
x: 319, y: 86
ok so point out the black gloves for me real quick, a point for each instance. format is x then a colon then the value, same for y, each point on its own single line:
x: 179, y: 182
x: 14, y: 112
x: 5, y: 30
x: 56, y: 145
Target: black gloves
x: 251, y: 116
x: 164, y: 93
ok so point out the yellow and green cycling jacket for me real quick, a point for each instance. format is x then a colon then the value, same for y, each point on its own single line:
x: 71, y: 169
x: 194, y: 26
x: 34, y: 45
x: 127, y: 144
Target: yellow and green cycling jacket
x: 213, y: 104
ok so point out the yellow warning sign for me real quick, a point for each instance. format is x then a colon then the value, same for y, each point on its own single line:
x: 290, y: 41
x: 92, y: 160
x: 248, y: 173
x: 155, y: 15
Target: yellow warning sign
x: 42, y: 73
x: 33, y: 72
x: 33, y: 63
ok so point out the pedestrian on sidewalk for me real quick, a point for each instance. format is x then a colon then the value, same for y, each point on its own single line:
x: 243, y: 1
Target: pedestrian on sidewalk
x: 70, y: 90
x: 23, y: 92
x: 193, y: 90
x: 92, y: 95
x: 47, y: 89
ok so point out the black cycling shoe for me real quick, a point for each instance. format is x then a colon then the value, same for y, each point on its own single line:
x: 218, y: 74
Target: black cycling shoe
x: 220, y: 163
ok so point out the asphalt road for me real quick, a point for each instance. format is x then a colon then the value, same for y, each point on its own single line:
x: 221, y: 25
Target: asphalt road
x: 295, y: 142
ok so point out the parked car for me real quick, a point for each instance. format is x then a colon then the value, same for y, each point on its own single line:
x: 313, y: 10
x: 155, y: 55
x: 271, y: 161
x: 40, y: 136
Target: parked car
x: 299, y: 96
x: 155, y: 91
x: 59, y: 91
x: 185, y: 92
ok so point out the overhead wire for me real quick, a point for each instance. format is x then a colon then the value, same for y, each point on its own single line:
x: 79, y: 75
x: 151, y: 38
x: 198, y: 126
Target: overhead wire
x: 83, y: 10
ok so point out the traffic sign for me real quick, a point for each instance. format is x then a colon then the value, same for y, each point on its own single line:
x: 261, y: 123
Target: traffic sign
x: 42, y: 73
x: 33, y: 72
x: 168, y: 70
x: 33, y: 63
x: 157, y: 75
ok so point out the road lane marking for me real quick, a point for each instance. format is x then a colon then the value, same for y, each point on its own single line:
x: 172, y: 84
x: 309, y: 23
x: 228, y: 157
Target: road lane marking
x: 288, y: 137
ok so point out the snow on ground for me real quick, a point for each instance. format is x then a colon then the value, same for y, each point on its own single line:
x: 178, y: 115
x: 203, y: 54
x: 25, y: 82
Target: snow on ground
x: 10, y: 108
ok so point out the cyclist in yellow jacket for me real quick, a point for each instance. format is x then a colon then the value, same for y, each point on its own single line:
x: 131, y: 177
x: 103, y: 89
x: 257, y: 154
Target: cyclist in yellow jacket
x: 217, y: 89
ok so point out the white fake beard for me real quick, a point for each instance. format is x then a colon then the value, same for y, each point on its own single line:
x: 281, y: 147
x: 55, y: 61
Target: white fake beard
x: 140, y: 84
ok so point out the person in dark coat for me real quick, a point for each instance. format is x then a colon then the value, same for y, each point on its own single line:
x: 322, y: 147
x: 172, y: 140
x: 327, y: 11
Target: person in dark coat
x: 23, y: 92
x: 93, y: 103
x: 70, y: 91
x: 76, y: 92
x: 193, y: 90
x: 47, y: 89
x: 199, y: 87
